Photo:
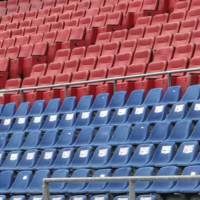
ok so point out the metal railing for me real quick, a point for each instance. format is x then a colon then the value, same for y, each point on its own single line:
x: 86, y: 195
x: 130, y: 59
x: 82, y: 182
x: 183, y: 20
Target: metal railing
x: 130, y: 179
x: 66, y: 85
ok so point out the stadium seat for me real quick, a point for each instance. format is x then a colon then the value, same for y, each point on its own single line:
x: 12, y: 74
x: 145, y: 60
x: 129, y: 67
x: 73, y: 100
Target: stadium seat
x: 170, y: 28
x: 84, y: 119
x: 160, y: 19
x: 181, y: 38
x: 35, y: 123
x: 31, y: 15
x: 145, y: 43
x: 67, y: 121
x: 153, y: 31
x: 51, y: 122
x: 103, y: 38
x: 135, y: 6
x: 143, y: 21
x: 188, y: 25
x: 6, y: 178
x: 136, y: 33
x: 193, y: 14
x: 111, y: 48
x: 192, y: 94
x: 178, y: 16
x: 182, y: 6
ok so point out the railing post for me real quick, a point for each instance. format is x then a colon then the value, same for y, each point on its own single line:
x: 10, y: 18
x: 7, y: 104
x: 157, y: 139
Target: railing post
x: 132, y: 190
x: 169, y: 80
x: 66, y: 91
x: 21, y: 96
x: 115, y: 86
x: 46, y: 193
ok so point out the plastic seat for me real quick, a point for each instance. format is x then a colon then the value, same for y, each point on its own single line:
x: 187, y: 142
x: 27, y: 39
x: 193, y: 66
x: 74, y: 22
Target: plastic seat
x: 163, y: 54
x: 12, y: 10
x: 194, y: 4
x: 105, y: 62
x: 119, y: 36
x: 70, y: 8
x: 103, y: 38
x: 25, y: 7
x: 87, y: 64
x: 67, y: 121
x: 143, y: 21
x: 128, y: 46
x: 8, y: 42
x: 178, y: 16
x: 101, y: 101
x: 99, y: 20
x: 57, y: 10
x: 98, y: 4
x: 36, y: 123
x: 145, y: 43
x: 6, y: 178
x: 160, y: 19
x: 192, y: 94
x: 77, y: 33
x: 118, y: 100
x: 188, y: 25
x: 51, y: 122
x: 106, y: 10
x: 3, y: 143
x: 37, y: 108
x: 84, y: 119
x: 94, y: 50
x: 162, y: 41
x: 18, y: 17
x: 85, y: 22
x: 182, y: 6
x: 42, y: 14
x: 37, y: 22
x: 120, y: 116
x: 85, y: 5
x: 172, y: 95
x: 111, y: 48
x: 37, y: 6
x: 49, y: 4
x: 12, y: 3
x: 153, y: 31
x: 135, y: 6
x: 180, y: 38
x: 57, y: 26
x: 92, y: 12
x: 170, y: 28
x: 31, y: 15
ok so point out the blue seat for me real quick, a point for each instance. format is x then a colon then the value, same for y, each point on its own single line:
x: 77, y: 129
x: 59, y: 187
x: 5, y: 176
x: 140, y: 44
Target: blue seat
x: 67, y: 120
x: 23, y: 109
x: 154, y: 96
x: 4, y: 140
x: 12, y: 160
x: 172, y: 95
x: 138, y: 115
x: 36, y: 123
x: 119, y: 187
x: 140, y: 187
x: 66, y: 139
x: 78, y: 197
x: 6, y: 180
x: 81, y: 158
x: 194, y: 112
x: 84, y: 104
x: 52, y: 107
x: 149, y: 196
x: 160, y: 132
x: 36, y: 197
x: 195, y: 136
x: 2, y: 157
x: 186, y: 153
x: 184, y: 186
x: 28, y: 160
x: 158, y: 113
x: 21, y: 182
x: 121, y: 135
x: 51, y: 122
x: 15, y: 141
x: 121, y: 197
x: 57, y: 197
x: 192, y: 94
x: 103, y: 136
x: 63, y: 159
x: 164, y: 154
x: 32, y: 140
x: 101, y: 101
x: 85, y: 137
x: 120, y: 157
x: 1, y: 108
x: 181, y: 131
x: 68, y: 105
x: 56, y: 187
x: 100, y: 197
x: 100, y: 157
x: 142, y: 155
x: 35, y: 186
x: 97, y: 187
x: 37, y: 108
x: 102, y: 118
x: 46, y: 159
x: 8, y: 111
x: 118, y: 100
x: 84, y: 119
x: 120, y: 116
x: 139, y: 133
x: 6, y: 125
x: 49, y: 139
x: 18, y: 197
x: 20, y: 124
x: 136, y: 98
x: 163, y: 185
x: 2, y: 197
x: 74, y: 188
x: 177, y: 112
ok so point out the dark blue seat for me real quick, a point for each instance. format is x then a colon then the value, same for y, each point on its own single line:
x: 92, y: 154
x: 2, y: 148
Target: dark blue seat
x: 20, y: 124
x: 195, y: 136
x: 66, y: 139
x: 154, y: 96
x: 121, y: 135
x: 36, y: 123
x: 118, y: 100
x: 51, y: 122
x: 164, y: 154
x: 85, y: 137
x: 141, y: 156
x: 194, y: 112
x: 37, y: 108
x: 23, y: 109
x: 6, y: 125
x: 84, y: 104
x: 8, y: 111
x: 84, y: 119
x: 6, y: 180
x: 172, y: 95
x: 136, y: 98
x: 52, y: 107
x: 100, y: 157
x: 4, y: 140
x: 67, y: 121
x: 68, y: 105
x: 192, y: 94
x: 101, y: 101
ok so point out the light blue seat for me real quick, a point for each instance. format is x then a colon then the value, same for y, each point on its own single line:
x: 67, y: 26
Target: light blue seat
x: 121, y: 197
x: 149, y: 197
x: 36, y: 123
x: 52, y: 107
x: 66, y: 139
x: 118, y: 100
x: 67, y: 121
x: 23, y: 110
x: 154, y: 96
x: 78, y: 197
x: 4, y: 140
x: 20, y: 124
x: 3, y: 197
x: 8, y: 110
x: 58, y: 197
x: 192, y: 94
x: 101, y: 101
x: 121, y: 135
x: 84, y: 104
x: 142, y: 155
x: 6, y: 125
x: 68, y: 105
x: 103, y: 136
x: 102, y: 197
x: 136, y: 98
x: 6, y: 180
x: 36, y: 197
x: 19, y: 197
x: 84, y: 119
x: 37, y: 108
x: 194, y: 112
x: 172, y: 95
x: 51, y: 122
x: 139, y: 133
x: 100, y: 157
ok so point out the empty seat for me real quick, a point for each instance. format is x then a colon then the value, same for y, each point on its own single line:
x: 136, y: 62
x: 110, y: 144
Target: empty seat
x: 94, y: 50
x: 162, y: 41
x: 184, y: 51
x: 178, y: 16
x: 193, y: 14
x: 188, y: 26
x: 135, y: 6
x: 43, y: 13
x: 97, y: 3
x: 171, y: 28
x: 143, y: 21
x: 36, y: 123
x: 111, y: 48
x: 119, y: 36
x: 145, y: 43
x: 128, y: 46
x: 31, y: 15
x: 103, y: 38
x: 12, y: 10
x: 6, y: 178
x: 160, y: 19
x: 180, y: 38
x: 18, y: 17
x: 99, y: 20
x: 153, y: 31
x: 37, y: 6
x: 191, y: 94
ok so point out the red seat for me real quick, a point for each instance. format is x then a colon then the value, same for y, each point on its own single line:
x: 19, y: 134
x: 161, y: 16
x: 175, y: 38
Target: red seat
x: 12, y: 26
x: 49, y: 4
x: 8, y: 42
x: 38, y: 70
x: 37, y: 5
x: 65, y: 17
x: 160, y: 19
x: 114, y: 19
x: 145, y: 43
x: 43, y: 13
x: 18, y: 32
x: 12, y: 10
x: 25, y: 24
x: 143, y: 21
x: 74, y: 1
x: 97, y: 4
x: 78, y: 14
x: 171, y: 28
x: 165, y: 53
x: 22, y: 40
x: 103, y: 38
x: 197, y: 51
x: 189, y: 26
x: 57, y: 26
x: 105, y: 62
x: 106, y: 10
x: 99, y: 21
x: 71, y: 23
x: 18, y: 17
x: 45, y: 28
x: 37, y: 22
x: 78, y: 53
x: 150, y: 5
x: 6, y: 19
x: 177, y: 16
x: 57, y: 10
x: 25, y: 7
x: 111, y: 48
x: 94, y: 50
x: 50, y: 37
x: 119, y: 36
x: 71, y: 66
x: 36, y: 38
x: 45, y: 80
x: 194, y: 4
x: 123, y: 59
x: 3, y: 53
x: 153, y: 31
x: 136, y: 33
x: 77, y: 33
x: 12, y: 52
x: 87, y: 64
x: 30, y: 31
x: 31, y: 15
x: 135, y: 6
x: 3, y: 11
x: 121, y: 7
x: 12, y: 3
x: 63, y: 36
x: 194, y: 63
x: 61, y: 2
x: 54, y: 68
x: 92, y: 12
x: 4, y: 35
x: 51, y: 19
x: 86, y: 22
x: 84, y: 5
x: 195, y: 37
x: 62, y: 55
x: 143, y: 56
x: 23, y: 1
x: 2, y: 27
x: 182, y: 5
x: 181, y: 38
x: 3, y: 4
x: 111, y: 2
x: 70, y: 8
x: 128, y: 46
